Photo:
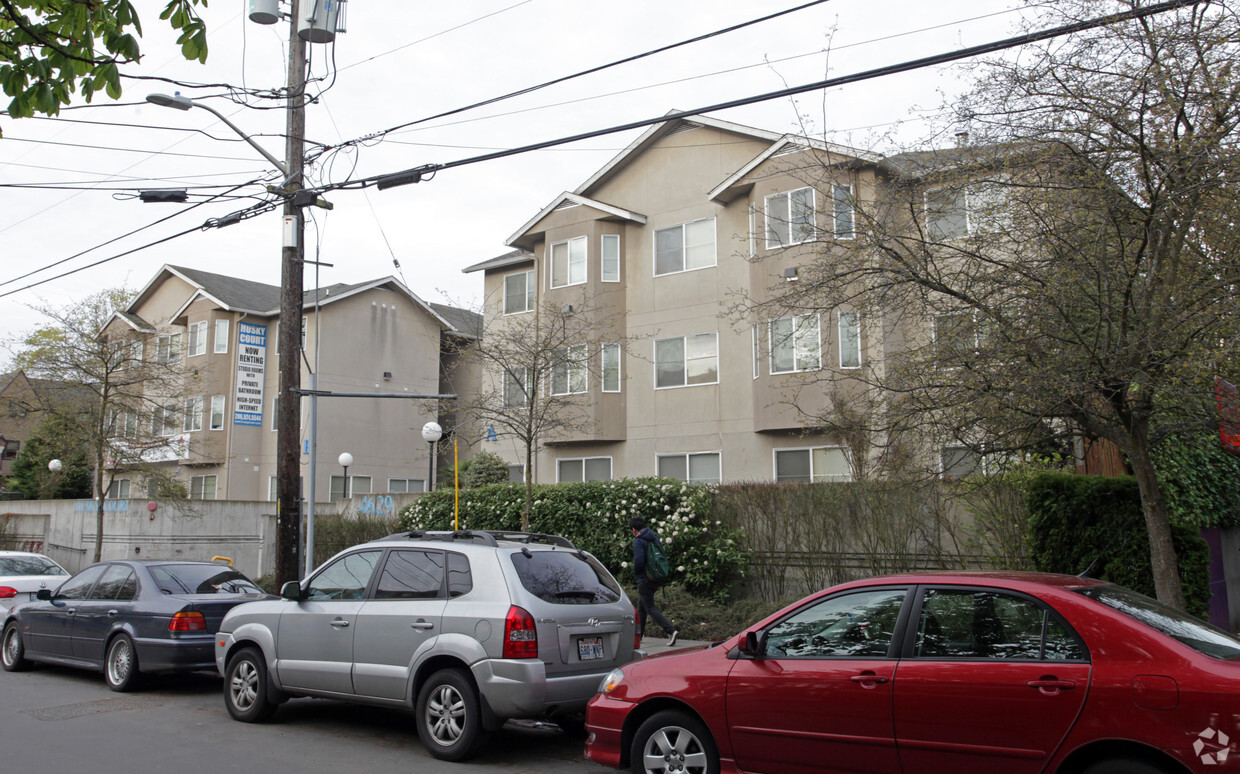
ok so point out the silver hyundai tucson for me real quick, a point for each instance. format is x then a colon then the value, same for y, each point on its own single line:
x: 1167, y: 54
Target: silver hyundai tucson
x: 468, y: 629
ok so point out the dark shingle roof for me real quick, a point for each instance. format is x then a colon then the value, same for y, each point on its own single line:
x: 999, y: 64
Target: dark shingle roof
x: 463, y: 320
x: 235, y: 293
x: 514, y: 258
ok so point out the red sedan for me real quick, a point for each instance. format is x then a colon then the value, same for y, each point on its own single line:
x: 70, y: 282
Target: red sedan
x: 1018, y: 673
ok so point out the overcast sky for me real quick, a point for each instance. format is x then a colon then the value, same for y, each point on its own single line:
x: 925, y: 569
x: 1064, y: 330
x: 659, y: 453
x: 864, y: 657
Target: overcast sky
x: 401, y: 61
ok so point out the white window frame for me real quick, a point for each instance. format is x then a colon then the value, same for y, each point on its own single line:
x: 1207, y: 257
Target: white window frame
x: 685, y: 246
x: 131, y: 424
x: 201, y: 483
x: 843, y: 335
x: 421, y: 482
x: 136, y: 352
x: 271, y: 489
x: 611, y: 469
x: 802, y: 360
x: 963, y: 193
x: 686, y: 359
x: 813, y: 477
x: 781, y: 206
x: 508, y: 386
x: 846, y: 201
x: 164, y: 420
x: 687, y: 457
x: 580, y: 262
x: 569, y: 372
x: 197, y: 334
x: 609, y: 258
x: 616, y: 353
x: 193, y: 415
x: 526, y: 298
x: 122, y: 488
x: 221, y: 337
x: 168, y: 348
x: 219, y: 407
x: 982, y: 461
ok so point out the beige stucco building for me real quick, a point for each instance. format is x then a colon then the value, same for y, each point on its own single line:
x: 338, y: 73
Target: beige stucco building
x: 216, y: 418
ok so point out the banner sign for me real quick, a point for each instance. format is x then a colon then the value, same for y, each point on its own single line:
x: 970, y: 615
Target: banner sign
x: 251, y: 369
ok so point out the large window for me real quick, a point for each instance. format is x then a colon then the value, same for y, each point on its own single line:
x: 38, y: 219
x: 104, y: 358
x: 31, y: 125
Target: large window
x: 568, y: 373
x: 699, y: 468
x: 957, y: 337
x: 166, y: 420
x: 202, y: 488
x: 611, y: 368
x: 825, y: 463
x: 850, y: 339
x: 568, y: 262
x: 516, y: 387
x: 519, y: 292
x: 789, y: 218
x: 217, y: 412
x: 198, y: 338
x: 611, y: 258
x: 119, y: 489
x: 795, y: 344
x: 845, y: 220
x: 958, y: 461
x: 405, y: 485
x: 685, y: 247
x: 585, y: 469
x: 947, y: 213
x: 193, y: 415
x: 221, y: 337
x: 168, y: 348
x: 687, y: 360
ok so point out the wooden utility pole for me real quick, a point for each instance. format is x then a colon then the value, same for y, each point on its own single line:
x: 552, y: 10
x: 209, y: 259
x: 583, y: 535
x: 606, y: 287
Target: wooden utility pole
x: 288, y: 410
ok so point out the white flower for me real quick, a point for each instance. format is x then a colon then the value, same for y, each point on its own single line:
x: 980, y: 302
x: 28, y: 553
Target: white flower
x: 624, y: 564
x: 681, y: 568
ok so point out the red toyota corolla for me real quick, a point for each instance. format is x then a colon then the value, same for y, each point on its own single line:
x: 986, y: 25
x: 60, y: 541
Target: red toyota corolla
x: 934, y: 673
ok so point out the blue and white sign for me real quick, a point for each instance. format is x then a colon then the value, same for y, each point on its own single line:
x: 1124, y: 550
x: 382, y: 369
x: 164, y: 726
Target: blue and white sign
x: 251, y: 368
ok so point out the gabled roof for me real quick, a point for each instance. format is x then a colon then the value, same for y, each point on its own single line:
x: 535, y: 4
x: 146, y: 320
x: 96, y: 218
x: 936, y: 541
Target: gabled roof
x: 507, y: 260
x: 572, y: 199
x: 465, y: 322
x: 133, y: 321
x: 736, y: 184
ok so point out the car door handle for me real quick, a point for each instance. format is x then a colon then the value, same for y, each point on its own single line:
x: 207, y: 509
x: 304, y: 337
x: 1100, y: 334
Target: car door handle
x: 422, y: 625
x: 113, y: 613
x: 868, y: 677
x: 340, y: 623
x: 1051, y: 684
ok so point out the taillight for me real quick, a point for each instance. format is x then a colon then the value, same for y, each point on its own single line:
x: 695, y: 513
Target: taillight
x: 520, y: 636
x: 187, y: 622
x: 637, y: 635
x: 7, y: 592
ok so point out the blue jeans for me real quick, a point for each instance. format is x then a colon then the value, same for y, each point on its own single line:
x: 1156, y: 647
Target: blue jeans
x: 645, y: 606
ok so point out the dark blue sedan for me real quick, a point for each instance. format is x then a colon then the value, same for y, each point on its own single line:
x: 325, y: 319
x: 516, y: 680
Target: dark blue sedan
x: 127, y: 618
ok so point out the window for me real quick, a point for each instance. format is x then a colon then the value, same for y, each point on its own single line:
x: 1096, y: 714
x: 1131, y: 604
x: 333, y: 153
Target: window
x: 221, y: 337
x: 131, y: 424
x: 795, y: 344
x: 166, y: 420
x: 855, y: 625
x: 516, y: 474
x: 568, y: 372
x: 611, y: 258
x: 202, y: 488
x: 168, y: 348
x: 405, y: 485
x: 345, y: 578
x: 685, y: 247
x: 826, y: 463
x: 118, y: 582
x: 568, y: 262
x: 587, y: 469
x: 198, y: 338
x: 411, y: 575
x: 519, y: 292
x: 358, y: 485
x: 271, y: 489
x: 700, y: 468
x: 119, y: 489
x: 850, y: 340
x: 961, y: 462
x: 135, y: 355
x: 947, y: 215
x: 687, y: 360
x: 275, y: 413
x: 516, y: 388
x: 611, y: 368
x: 217, y: 412
x: 957, y: 337
x: 193, y: 414
x: 845, y: 220
x: 789, y: 218
x: 970, y: 623
x: 79, y: 585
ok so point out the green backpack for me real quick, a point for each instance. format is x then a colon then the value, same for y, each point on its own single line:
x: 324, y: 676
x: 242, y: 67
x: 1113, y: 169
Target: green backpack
x: 657, y: 567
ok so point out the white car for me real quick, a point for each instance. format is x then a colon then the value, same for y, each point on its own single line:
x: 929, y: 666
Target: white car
x: 22, y: 574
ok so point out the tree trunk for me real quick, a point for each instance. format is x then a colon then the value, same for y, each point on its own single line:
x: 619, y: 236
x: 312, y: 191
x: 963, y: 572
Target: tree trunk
x: 1165, y: 565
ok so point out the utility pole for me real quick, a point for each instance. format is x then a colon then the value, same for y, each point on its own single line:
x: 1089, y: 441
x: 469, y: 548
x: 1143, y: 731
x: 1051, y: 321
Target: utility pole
x: 288, y: 410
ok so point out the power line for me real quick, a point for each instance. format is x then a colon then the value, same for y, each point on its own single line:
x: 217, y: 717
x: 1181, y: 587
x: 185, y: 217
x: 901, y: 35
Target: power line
x: 127, y: 150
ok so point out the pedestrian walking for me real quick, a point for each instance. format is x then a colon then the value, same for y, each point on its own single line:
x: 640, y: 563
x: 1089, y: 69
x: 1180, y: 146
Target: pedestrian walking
x: 643, y: 538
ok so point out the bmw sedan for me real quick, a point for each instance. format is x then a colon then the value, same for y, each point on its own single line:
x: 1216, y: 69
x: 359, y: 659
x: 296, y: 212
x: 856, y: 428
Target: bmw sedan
x: 22, y: 574
x: 1020, y: 673
x: 127, y: 618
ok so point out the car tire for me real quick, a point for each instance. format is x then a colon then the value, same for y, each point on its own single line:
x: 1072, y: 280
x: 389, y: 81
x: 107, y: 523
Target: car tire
x: 13, y: 650
x: 450, y: 716
x: 120, y: 665
x: 673, y: 741
x: 246, y: 689
x: 1124, y: 766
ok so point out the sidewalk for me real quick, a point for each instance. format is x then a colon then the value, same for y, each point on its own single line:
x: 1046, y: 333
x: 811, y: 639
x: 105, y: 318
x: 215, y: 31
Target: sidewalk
x: 653, y: 645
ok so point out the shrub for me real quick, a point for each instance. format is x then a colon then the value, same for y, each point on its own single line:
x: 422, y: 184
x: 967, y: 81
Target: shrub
x: 1198, y: 480
x: 333, y: 534
x: 706, y: 556
x: 482, y: 469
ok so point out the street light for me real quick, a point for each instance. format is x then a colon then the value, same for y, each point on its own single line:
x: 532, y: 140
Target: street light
x: 181, y: 102
x: 55, y: 466
x: 345, y: 459
x: 431, y: 433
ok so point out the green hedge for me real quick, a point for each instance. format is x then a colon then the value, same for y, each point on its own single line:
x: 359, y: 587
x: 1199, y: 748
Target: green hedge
x: 706, y: 556
x: 1199, y: 480
x: 1096, y: 523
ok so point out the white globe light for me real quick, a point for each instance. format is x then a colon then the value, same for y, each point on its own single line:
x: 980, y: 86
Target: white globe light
x: 431, y: 432
x: 345, y: 459
x: 55, y: 466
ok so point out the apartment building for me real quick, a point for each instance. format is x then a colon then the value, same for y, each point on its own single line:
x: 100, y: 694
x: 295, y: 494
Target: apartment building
x: 692, y: 218
x: 214, y: 424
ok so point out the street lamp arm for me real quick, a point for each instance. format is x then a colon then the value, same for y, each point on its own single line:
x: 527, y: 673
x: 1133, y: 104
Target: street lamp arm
x: 181, y: 102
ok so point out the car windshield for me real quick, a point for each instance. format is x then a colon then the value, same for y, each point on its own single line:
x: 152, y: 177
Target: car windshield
x: 565, y: 577
x: 29, y: 565
x: 1193, y: 632
x: 201, y: 579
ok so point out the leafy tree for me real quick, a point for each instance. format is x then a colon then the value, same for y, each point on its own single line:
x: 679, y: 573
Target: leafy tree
x: 60, y: 436
x: 1072, y: 266
x: 50, y: 49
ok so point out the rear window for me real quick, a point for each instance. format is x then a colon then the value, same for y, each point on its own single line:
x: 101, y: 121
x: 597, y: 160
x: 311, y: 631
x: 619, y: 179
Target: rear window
x: 29, y: 565
x: 1183, y: 628
x: 565, y: 577
x: 201, y: 579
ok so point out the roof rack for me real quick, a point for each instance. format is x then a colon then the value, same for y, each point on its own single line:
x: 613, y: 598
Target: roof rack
x: 532, y: 537
x: 488, y: 536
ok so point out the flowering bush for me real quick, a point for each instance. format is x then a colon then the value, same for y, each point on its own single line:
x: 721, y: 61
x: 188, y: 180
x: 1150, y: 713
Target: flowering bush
x: 595, y: 515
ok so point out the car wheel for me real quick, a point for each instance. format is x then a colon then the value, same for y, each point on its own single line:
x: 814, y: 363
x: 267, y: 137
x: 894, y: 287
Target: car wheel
x: 1124, y: 766
x: 450, y: 716
x: 245, y: 687
x: 120, y: 666
x: 672, y: 741
x: 12, y: 650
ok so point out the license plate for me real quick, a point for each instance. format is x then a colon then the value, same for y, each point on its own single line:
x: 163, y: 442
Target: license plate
x: 590, y: 648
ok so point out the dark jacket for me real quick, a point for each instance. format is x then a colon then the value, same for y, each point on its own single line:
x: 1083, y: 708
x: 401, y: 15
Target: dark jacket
x: 639, y: 550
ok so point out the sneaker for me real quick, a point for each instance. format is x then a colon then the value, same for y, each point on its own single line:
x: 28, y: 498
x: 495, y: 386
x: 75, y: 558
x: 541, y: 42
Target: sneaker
x: 672, y: 640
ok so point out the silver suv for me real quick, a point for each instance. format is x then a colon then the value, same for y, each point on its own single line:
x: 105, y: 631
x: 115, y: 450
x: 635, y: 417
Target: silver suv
x: 466, y: 628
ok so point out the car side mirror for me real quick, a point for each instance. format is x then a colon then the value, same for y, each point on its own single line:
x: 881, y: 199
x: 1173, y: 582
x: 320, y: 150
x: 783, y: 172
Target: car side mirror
x: 43, y: 594
x: 291, y: 590
x: 753, y: 644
